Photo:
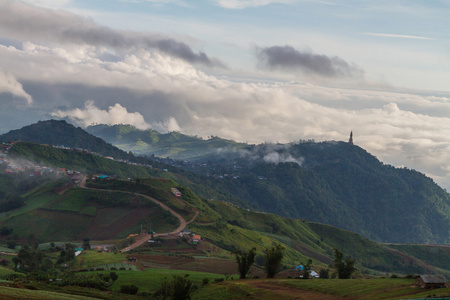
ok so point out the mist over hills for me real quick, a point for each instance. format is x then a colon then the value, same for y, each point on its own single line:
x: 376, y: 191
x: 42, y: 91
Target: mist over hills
x: 334, y: 183
x: 173, y: 144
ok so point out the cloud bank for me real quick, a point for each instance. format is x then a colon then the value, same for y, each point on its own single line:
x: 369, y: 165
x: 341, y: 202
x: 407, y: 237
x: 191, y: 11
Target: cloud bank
x: 289, y: 59
x: 18, y: 20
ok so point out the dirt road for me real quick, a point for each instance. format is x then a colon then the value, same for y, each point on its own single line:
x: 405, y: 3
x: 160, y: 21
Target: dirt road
x: 145, y: 237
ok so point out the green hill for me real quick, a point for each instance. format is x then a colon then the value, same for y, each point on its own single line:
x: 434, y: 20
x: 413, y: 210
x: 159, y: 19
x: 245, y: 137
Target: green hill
x: 60, y: 133
x: 338, y: 184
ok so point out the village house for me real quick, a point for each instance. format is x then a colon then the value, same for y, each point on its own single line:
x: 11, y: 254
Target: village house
x: 196, y: 239
x: 431, y: 281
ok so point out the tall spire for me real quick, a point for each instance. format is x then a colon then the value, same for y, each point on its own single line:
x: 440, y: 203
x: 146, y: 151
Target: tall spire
x: 350, y: 141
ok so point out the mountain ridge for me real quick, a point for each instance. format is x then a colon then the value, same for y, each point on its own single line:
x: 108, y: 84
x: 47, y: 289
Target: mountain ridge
x: 335, y: 183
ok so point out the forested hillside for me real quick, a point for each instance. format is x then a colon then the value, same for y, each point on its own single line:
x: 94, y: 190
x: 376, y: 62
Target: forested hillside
x: 60, y: 133
x: 340, y: 184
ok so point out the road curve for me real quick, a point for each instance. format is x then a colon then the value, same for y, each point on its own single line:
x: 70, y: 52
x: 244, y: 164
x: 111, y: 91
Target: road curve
x: 145, y: 237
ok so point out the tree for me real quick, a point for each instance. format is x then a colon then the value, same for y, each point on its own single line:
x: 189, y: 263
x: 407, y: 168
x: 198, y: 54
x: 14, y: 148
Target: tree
x: 11, y: 244
x: 245, y: 260
x: 113, y: 276
x: 272, y: 260
x: 182, y: 288
x: 32, y: 260
x: 6, y: 230
x: 345, y: 268
x: 307, y: 269
x: 70, y: 251
x: 324, y: 273
x: 86, y: 243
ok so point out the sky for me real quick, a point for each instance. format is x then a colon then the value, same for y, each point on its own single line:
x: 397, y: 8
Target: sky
x: 249, y: 70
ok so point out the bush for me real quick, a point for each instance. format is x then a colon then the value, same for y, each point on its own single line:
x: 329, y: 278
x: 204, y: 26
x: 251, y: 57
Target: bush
x: 324, y: 274
x: 129, y: 289
x: 182, y: 287
x: 205, y: 281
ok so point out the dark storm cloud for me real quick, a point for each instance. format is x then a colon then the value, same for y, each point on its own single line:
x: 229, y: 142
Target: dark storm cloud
x: 21, y: 21
x: 288, y: 58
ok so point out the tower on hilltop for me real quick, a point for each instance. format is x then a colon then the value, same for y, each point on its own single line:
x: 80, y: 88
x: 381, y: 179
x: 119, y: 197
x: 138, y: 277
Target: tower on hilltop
x: 350, y: 140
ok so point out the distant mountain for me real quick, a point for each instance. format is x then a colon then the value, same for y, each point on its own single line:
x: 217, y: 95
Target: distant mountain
x: 173, y: 144
x: 338, y: 184
x: 60, y: 133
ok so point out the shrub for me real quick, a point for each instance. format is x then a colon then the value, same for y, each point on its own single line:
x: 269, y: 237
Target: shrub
x: 182, y: 287
x: 324, y: 273
x: 130, y: 289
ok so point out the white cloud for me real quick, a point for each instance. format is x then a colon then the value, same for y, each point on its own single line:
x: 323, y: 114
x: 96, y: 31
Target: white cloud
x: 114, y: 115
x: 9, y: 84
x: 91, y: 114
x: 240, y: 4
x: 401, y: 36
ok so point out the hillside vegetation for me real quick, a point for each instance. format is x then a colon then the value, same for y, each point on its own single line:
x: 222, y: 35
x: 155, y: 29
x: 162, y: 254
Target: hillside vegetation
x: 342, y: 185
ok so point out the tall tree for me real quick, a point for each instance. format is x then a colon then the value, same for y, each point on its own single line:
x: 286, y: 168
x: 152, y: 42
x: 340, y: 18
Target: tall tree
x: 245, y: 260
x: 272, y: 260
x: 87, y: 243
x: 346, y: 268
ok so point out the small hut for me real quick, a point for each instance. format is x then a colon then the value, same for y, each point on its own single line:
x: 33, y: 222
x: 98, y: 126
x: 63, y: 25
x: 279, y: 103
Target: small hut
x: 431, y: 281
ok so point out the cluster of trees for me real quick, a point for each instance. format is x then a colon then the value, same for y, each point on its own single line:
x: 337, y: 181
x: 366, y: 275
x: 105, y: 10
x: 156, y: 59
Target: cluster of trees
x: 274, y: 255
x: 272, y: 260
x: 30, y: 259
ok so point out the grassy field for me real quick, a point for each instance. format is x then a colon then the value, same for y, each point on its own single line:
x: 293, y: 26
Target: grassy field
x: 388, y: 288
x: 72, y: 200
x: 16, y: 293
x: 94, y: 259
x: 150, y: 279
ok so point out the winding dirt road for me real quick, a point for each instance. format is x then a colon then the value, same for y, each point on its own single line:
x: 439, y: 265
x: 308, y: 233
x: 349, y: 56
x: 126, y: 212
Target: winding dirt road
x: 145, y: 237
